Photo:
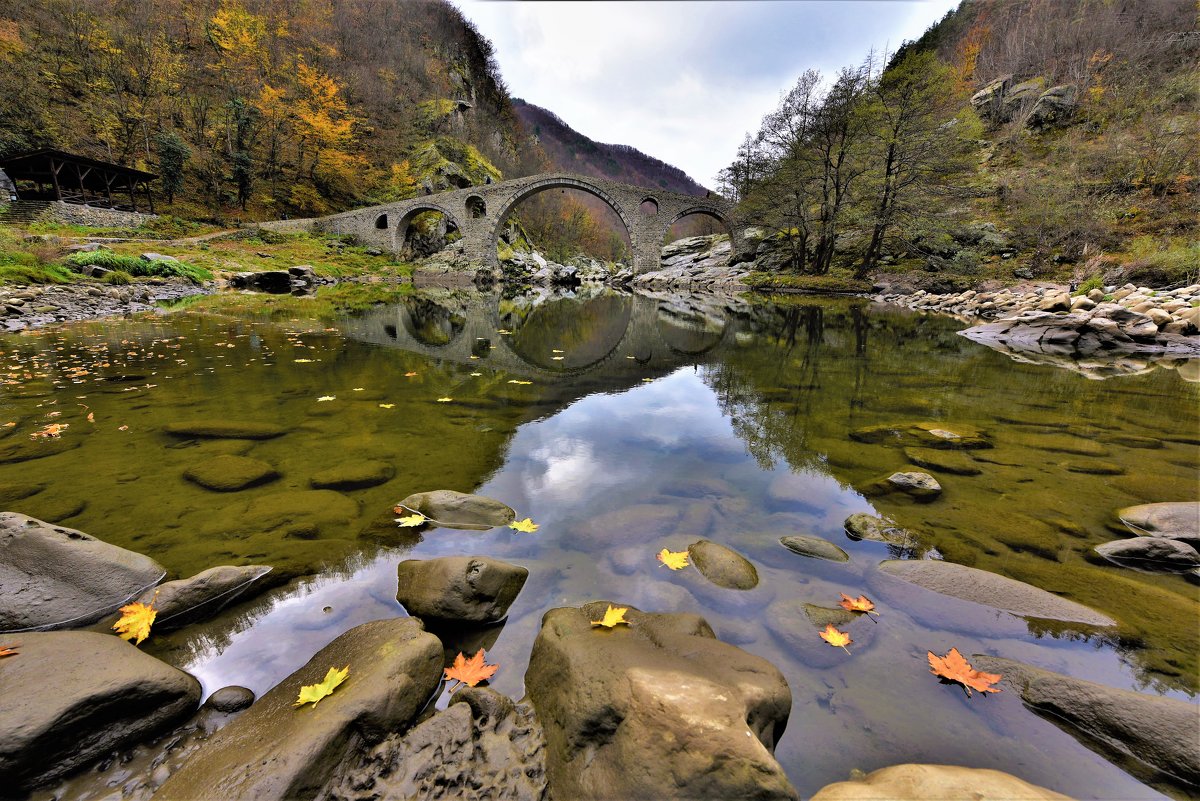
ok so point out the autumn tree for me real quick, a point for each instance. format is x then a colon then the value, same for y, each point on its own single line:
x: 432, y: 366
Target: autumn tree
x: 173, y: 154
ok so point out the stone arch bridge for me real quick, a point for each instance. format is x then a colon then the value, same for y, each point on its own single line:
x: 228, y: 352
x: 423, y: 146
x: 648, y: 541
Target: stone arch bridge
x: 479, y: 214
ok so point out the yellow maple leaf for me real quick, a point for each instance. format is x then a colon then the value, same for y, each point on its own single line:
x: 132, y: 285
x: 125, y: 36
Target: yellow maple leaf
x: 526, y: 525
x: 135, y: 622
x: 387, y: 406
x: 676, y: 560
x: 312, y: 693
x: 612, y: 616
x: 326, y: 398
x: 416, y: 519
x: 518, y: 381
x: 444, y: 400
x: 838, y: 639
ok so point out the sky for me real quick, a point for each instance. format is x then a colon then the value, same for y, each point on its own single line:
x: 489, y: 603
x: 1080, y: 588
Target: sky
x: 683, y: 81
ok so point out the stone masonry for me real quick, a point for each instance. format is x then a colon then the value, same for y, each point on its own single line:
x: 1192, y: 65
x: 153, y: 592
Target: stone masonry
x: 479, y: 213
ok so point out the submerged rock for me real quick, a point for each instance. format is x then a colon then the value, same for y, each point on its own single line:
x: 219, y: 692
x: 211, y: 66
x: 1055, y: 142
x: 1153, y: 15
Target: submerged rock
x: 862, y: 526
x: 229, y: 473
x: 1150, y: 553
x: 185, y: 601
x: 1163, y: 733
x: 450, y: 509
x: 936, y: 783
x: 354, y: 475
x: 73, y: 696
x: 944, y: 461
x: 225, y: 429
x: 658, y: 709
x: 989, y: 589
x: 482, y: 746
x: 274, y: 750
x: 798, y: 624
x: 56, y: 577
x: 1174, y: 521
x: 921, y: 486
x: 808, y: 545
x: 928, y: 435
x: 723, y: 566
x: 473, y: 589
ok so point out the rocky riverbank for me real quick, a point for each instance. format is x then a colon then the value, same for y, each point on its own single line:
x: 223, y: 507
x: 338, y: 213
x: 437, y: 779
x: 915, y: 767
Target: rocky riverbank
x: 23, y: 307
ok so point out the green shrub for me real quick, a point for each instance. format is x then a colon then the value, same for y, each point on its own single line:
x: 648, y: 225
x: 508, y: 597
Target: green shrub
x: 1093, y: 282
x: 134, y: 265
x: 117, y: 277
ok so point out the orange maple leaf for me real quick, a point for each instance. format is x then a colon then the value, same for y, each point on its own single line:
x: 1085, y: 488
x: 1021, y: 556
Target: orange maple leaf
x: 860, y: 604
x: 838, y: 639
x: 954, y: 667
x: 470, y: 671
x: 8, y: 650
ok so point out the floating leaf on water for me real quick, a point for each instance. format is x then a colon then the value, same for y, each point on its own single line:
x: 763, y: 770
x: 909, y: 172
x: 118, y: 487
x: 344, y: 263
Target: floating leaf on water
x: 410, y: 374
x: 324, y: 398
x: 954, y: 667
x: 312, y: 693
x: 526, y: 525
x: 387, y: 406
x: 8, y: 650
x: 676, y: 560
x: 519, y: 381
x: 860, y: 604
x: 838, y: 639
x: 444, y: 400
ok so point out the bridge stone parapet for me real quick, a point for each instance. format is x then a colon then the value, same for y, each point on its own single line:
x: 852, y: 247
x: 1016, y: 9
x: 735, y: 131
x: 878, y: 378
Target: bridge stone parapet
x: 479, y: 214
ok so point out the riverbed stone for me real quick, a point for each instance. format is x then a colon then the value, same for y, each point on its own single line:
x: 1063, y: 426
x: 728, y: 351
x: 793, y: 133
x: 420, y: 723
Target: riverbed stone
x: 989, y: 589
x: 13, y: 491
x: 862, y: 526
x: 920, y: 486
x: 355, y: 475
x: 929, y: 435
x: 912, y: 782
x: 55, y: 576
x: 73, y: 696
x: 944, y: 461
x: 723, y: 566
x: 225, y: 429
x: 466, y: 589
x: 275, y: 751
x: 1179, y: 520
x: 230, y: 699
x: 451, y: 509
x: 185, y: 601
x: 798, y: 625
x: 229, y: 473
x: 1094, y: 467
x: 707, y: 713
x: 816, y: 547
x: 1151, y: 553
x: 1161, y: 732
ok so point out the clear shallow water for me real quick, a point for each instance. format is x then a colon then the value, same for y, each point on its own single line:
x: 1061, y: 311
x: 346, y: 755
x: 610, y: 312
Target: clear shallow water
x: 662, y: 421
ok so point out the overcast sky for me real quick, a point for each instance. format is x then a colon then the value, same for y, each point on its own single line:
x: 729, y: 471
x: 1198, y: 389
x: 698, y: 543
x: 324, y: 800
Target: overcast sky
x: 682, y: 81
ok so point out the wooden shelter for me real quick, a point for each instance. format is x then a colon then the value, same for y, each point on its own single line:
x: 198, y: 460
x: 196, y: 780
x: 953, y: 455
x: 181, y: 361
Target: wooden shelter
x: 50, y: 174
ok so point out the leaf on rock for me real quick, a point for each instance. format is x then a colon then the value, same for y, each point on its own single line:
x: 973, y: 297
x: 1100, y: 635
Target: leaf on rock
x: 135, y: 622
x: 954, y: 667
x: 676, y: 560
x: 414, y: 519
x: 312, y: 693
x: 613, y: 616
x: 860, y: 604
x: 470, y: 671
x: 838, y: 639
x: 526, y: 525
x: 8, y: 650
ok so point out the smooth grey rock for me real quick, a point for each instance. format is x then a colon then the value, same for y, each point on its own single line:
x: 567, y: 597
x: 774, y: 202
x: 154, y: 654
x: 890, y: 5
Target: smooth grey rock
x: 70, y: 697
x: 911, y: 782
x: 1150, y: 553
x: 185, y: 601
x: 228, y: 473
x: 989, y: 589
x: 921, y: 486
x: 275, y: 750
x: 451, y: 509
x: 482, y: 746
x: 225, y: 429
x: 1178, y: 520
x: 723, y: 566
x: 55, y: 577
x: 472, y: 589
x: 862, y: 526
x: 1163, y: 733
x: 618, y: 724
x: 808, y: 545
x: 230, y: 699
x: 354, y: 475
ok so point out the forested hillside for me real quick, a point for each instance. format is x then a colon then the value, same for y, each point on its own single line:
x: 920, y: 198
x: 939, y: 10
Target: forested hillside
x: 263, y: 108
x: 1016, y: 138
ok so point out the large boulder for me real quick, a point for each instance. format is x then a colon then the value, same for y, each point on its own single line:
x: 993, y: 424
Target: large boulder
x: 470, y: 589
x: 989, y: 589
x: 936, y: 783
x: 275, y: 750
x: 1150, y: 553
x: 185, y: 601
x: 1055, y: 106
x: 1163, y: 733
x: 450, y: 509
x: 57, y: 577
x: 1175, y: 521
x: 70, y: 697
x: 656, y: 709
x: 723, y: 566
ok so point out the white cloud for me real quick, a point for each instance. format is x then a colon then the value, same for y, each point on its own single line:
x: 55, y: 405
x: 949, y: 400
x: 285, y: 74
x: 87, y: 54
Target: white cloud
x: 682, y: 81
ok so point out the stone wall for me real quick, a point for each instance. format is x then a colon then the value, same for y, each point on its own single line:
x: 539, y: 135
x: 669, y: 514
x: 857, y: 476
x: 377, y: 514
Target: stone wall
x: 74, y: 214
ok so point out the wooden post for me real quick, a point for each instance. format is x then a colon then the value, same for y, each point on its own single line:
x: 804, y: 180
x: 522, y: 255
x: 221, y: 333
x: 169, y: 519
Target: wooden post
x: 54, y: 176
x: 108, y: 188
x: 132, y: 197
x: 149, y: 197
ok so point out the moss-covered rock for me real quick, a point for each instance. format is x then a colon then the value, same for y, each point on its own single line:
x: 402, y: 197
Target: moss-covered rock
x: 230, y: 473
x: 354, y: 475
